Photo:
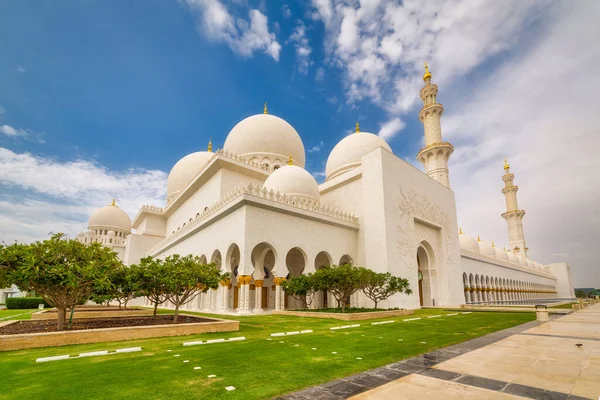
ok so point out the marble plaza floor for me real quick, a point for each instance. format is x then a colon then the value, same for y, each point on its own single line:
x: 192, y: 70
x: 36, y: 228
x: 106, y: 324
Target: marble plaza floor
x: 559, y: 359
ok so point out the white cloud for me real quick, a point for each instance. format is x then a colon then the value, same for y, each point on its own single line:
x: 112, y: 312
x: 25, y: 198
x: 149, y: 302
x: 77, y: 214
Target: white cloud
x: 10, y: 131
x: 2, y: 109
x: 285, y: 10
x: 303, y: 49
x: 244, y: 37
x: 320, y: 75
x: 59, y: 196
x: 390, y: 128
x: 317, y: 147
x: 380, y: 46
x: 21, y: 69
x: 332, y: 100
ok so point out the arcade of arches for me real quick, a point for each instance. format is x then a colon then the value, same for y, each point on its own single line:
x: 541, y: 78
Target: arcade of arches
x: 261, y: 291
x: 493, y: 290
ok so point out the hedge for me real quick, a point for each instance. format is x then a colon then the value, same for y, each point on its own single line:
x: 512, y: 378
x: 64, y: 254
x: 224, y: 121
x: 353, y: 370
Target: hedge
x: 17, y: 303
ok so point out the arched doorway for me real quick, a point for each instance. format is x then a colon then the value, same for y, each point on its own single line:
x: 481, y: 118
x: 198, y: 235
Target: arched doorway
x: 426, y: 275
x: 295, y: 261
x: 322, y: 260
x: 346, y: 259
x: 263, y: 259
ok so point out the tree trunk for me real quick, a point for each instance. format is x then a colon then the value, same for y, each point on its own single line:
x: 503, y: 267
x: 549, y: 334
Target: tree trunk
x: 61, y: 317
x: 125, y: 306
x: 119, y: 303
x: 176, y: 313
x: 375, y: 304
x: 155, y: 308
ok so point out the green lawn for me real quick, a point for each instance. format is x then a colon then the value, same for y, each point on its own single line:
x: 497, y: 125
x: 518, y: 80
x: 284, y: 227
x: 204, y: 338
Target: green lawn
x: 16, y: 314
x: 567, y: 306
x: 257, y: 367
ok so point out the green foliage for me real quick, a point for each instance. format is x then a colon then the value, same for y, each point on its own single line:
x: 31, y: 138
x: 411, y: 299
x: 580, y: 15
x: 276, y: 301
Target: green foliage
x: 342, y: 281
x: 580, y: 294
x: 186, y: 277
x: 63, y: 272
x: 21, y: 303
x: 302, y: 288
x: 380, y: 286
x: 151, y: 279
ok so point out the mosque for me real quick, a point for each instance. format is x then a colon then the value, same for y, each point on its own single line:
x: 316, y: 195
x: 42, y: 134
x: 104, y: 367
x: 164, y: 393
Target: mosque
x: 253, y: 210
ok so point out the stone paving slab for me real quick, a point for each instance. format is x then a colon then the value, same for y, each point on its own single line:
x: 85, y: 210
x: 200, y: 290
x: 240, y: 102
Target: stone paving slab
x: 559, y: 359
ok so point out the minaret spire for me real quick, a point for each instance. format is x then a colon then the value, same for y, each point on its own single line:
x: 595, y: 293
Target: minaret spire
x: 513, y: 216
x: 434, y: 156
x: 265, y: 111
x: 209, y: 145
x: 357, y: 127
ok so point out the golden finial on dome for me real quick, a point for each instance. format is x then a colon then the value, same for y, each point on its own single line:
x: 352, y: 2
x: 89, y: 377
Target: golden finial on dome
x: 265, y: 109
x: 478, y: 238
x: 427, y: 76
x: 460, y: 232
x: 493, y: 245
x: 506, y: 165
x: 113, y: 202
x: 357, y: 127
x: 290, y: 162
x: 210, y: 145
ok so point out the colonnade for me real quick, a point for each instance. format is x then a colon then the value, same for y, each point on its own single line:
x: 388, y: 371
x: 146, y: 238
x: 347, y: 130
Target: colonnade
x: 493, y: 290
x: 262, y: 290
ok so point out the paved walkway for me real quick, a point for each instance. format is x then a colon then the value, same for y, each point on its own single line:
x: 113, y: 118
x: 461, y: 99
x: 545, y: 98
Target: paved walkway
x: 559, y: 359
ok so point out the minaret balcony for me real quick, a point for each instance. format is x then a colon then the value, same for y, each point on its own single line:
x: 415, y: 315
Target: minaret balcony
x: 433, y: 148
x: 513, y: 214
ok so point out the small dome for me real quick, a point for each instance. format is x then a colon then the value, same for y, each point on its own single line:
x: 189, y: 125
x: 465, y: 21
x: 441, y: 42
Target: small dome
x: 501, y: 254
x: 468, y: 243
x: 530, y: 263
x: 265, y: 135
x: 512, y: 257
x: 487, y: 249
x: 110, y: 216
x: 185, y: 170
x: 538, y: 266
x: 348, y: 153
x: 293, y: 180
x: 522, y: 260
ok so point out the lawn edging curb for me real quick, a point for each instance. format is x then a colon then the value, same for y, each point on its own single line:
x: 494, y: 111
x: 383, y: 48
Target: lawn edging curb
x: 346, y: 317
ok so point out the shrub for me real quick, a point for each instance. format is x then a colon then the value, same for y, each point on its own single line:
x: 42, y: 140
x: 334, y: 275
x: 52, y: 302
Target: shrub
x: 19, y: 303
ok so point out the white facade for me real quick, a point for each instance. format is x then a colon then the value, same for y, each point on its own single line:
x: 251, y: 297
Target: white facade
x: 252, y: 209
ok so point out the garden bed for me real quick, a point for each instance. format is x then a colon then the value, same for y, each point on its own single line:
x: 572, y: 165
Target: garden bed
x: 353, y: 316
x: 93, y: 312
x: 16, y: 335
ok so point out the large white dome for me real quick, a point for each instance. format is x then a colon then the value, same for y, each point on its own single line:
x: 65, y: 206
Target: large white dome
x: 265, y: 136
x: 185, y: 170
x: 467, y: 242
x: 293, y: 180
x: 347, y: 154
x: 111, y: 217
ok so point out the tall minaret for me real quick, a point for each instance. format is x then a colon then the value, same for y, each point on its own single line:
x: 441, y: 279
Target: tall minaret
x: 434, y: 156
x: 513, y: 216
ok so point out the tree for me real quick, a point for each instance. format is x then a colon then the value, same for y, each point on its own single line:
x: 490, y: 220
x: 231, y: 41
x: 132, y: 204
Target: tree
x: 380, y: 286
x: 124, y: 284
x: 151, y: 278
x: 301, y: 288
x: 186, y: 277
x: 342, y: 281
x: 580, y: 294
x: 63, y: 272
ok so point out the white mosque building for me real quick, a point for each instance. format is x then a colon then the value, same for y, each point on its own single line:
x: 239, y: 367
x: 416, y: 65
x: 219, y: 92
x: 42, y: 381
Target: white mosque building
x: 254, y: 210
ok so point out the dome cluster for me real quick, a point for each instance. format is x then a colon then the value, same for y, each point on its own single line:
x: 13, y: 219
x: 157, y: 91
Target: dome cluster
x: 275, y: 145
x: 107, y: 225
x: 470, y: 244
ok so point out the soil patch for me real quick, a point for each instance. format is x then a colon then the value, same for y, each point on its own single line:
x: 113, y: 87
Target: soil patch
x: 40, y: 326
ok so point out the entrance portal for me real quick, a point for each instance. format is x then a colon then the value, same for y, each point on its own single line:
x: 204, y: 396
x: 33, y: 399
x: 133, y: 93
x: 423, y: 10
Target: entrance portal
x: 426, y: 275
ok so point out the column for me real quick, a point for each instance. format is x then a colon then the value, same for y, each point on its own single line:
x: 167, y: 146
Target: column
x: 225, y: 284
x: 208, y: 303
x: 258, y: 284
x: 279, y: 299
x: 244, y: 294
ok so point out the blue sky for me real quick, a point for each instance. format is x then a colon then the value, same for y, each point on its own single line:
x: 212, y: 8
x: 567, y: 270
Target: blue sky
x: 100, y: 99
